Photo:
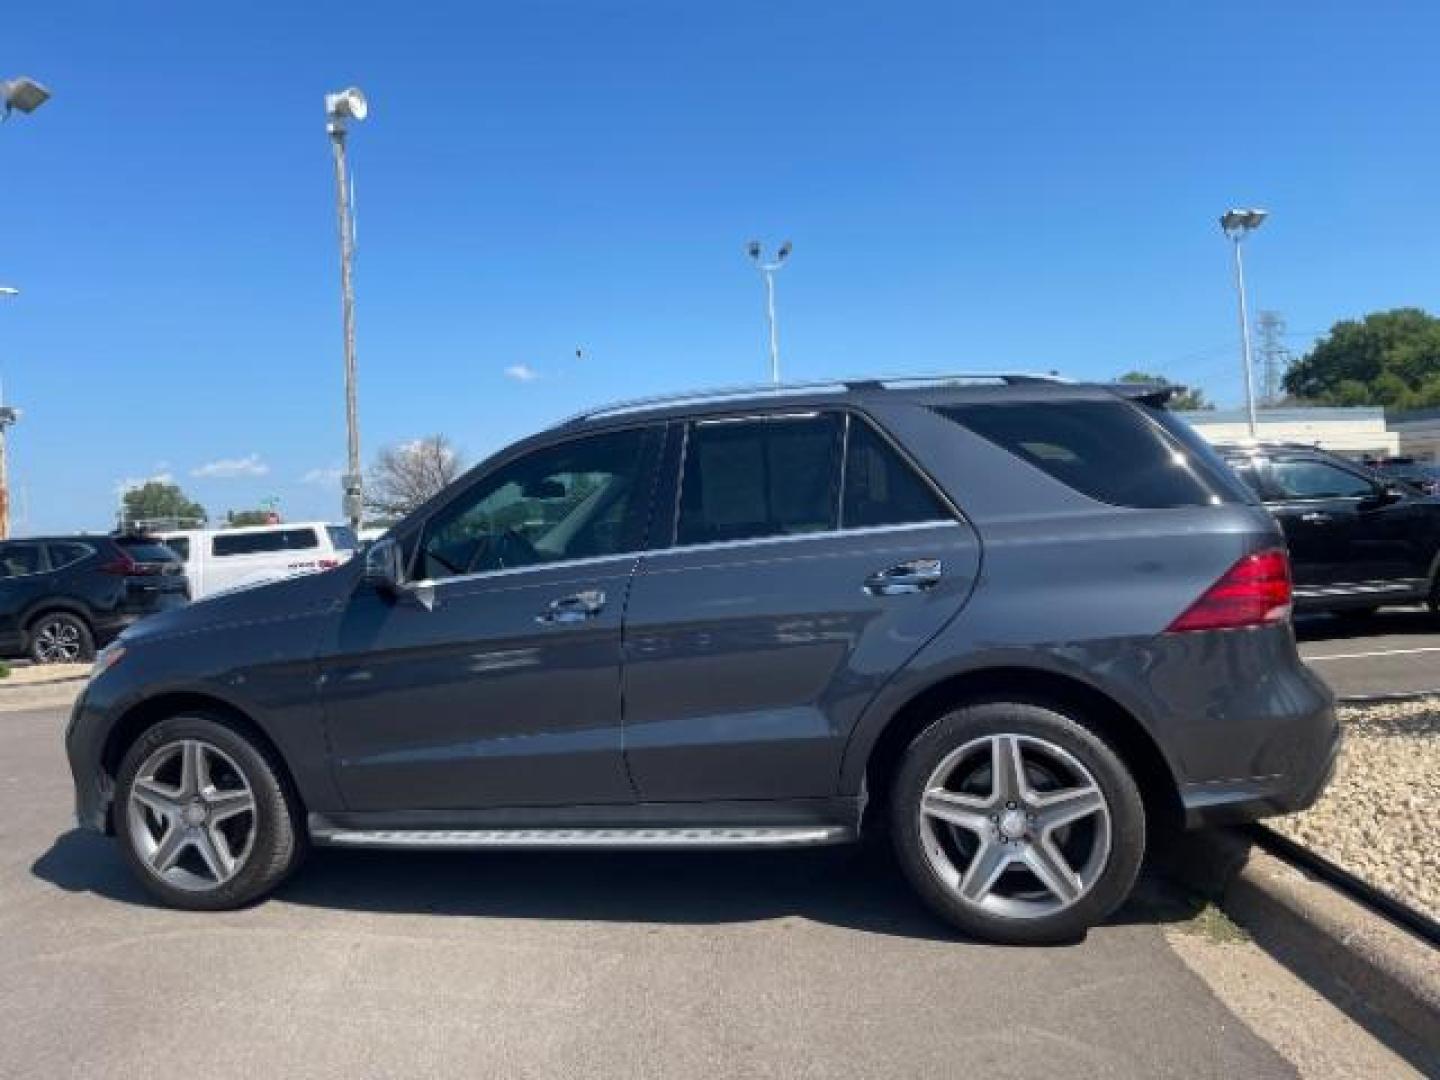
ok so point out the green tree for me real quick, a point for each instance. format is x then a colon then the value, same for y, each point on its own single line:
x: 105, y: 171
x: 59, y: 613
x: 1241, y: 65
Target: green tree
x: 157, y: 501
x: 1184, y: 399
x: 1389, y: 358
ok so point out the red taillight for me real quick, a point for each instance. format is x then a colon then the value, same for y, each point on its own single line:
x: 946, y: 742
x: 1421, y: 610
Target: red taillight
x: 328, y: 564
x: 1253, y: 592
x: 125, y: 566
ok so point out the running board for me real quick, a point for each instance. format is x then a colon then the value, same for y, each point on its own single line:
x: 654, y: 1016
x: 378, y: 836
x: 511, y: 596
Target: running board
x: 763, y: 836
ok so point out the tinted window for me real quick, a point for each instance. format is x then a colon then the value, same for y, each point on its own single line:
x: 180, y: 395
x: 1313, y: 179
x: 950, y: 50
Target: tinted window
x: 880, y: 487
x: 63, y: 555
x: 255, y: 543
x: 1248, y: 473
x: 1302, y: 479
x: 148, y: 550
x: 342, y: 537
x: 17, y: 560
x: 181, y: 546
x: 746, y: 479
x: 582, y: 499
x: 1108, y: 450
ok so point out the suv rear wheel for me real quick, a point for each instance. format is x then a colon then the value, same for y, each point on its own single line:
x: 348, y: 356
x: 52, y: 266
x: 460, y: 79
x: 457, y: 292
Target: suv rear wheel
x: 59, y: 637
x: 203, y: 815
x: 1017, y: 824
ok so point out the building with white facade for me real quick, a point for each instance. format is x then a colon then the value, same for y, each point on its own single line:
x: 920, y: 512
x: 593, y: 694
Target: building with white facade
x: 1419, y: 433
x: 1351, y: 432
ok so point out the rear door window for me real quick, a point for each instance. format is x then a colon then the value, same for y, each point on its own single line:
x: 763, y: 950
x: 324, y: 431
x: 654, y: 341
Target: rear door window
x: 881, y: 488
x: 148, y: 551
x: 68, y: 553
x: 752, y: 478
x: 1110, y: 451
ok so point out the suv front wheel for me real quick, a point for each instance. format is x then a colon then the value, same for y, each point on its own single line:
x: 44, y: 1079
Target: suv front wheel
x: 1017, y: 824
x: 59, y: 637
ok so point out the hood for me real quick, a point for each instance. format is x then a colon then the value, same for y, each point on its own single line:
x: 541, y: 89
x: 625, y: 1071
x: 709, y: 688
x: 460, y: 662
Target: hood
x: 282, y: 599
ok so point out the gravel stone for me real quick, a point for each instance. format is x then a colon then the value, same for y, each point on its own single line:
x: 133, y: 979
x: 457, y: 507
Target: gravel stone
x: 1380, y: 816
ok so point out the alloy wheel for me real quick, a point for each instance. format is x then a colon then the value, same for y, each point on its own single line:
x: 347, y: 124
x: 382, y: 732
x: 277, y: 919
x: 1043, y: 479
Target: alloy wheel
x: 1015, y: 826
x: 57, y: 642
x: 192, y: 815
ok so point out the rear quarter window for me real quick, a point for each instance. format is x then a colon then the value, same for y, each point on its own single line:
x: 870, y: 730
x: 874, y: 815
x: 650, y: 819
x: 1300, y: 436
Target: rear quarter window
x: 149, y: 550
x: 1111, y: 451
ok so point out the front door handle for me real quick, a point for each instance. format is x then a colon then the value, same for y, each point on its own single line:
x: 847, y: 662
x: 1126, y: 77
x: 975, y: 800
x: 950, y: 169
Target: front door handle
x: 572, y: 609
x: 1315, y: 517
x: 914, y: 576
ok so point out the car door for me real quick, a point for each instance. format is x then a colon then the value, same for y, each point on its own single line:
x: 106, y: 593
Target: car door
x: 1318, y: 504
x: 23, y: 580
x: 497, y: 683
x: 808, y: 560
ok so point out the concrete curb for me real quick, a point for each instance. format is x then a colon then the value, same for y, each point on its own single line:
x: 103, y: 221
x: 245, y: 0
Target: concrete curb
x: 35, y: 685
x: 1312, y: 926
x: 1386, y: 699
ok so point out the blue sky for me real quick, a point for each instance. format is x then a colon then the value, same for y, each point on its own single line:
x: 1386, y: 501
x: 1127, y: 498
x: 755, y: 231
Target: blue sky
x: 967, y: 186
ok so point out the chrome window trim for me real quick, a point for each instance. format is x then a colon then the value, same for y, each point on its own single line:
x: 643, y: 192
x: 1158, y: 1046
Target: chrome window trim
x: 683, y: 549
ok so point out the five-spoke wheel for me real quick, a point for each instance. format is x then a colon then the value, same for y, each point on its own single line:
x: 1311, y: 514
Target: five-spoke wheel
x: 205, y: 814
x: 1017, y: 823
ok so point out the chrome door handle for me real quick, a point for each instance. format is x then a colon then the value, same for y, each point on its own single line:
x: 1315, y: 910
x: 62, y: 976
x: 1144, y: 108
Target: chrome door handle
x: 572, y: 609
x: 914, y: 576
x: 1315, y: 517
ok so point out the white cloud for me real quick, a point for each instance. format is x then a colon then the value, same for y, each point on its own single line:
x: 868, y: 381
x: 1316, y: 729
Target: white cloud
x: 130, y: 483
x: 225, y: 468
x: 521, y: 373
x: 323, y: 477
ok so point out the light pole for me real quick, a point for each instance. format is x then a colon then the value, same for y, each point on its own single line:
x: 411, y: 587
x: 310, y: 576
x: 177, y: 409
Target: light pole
x: 20, y: 94
x: 339, y: 109
x: 1237, y: 224
x: 768, y: 269
x: 8, y: 416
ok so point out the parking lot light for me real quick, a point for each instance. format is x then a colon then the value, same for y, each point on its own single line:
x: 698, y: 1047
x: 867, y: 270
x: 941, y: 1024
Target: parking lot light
x: 768, y: 269
x: 1237, y: 224
x: 340, y: 109
x: 22, y: 94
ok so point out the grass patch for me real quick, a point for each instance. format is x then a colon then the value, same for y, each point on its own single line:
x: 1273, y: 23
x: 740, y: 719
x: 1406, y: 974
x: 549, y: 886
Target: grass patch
x: 1212, y: 924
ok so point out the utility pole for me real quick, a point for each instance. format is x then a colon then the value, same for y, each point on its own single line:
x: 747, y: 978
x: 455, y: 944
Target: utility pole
x: 769, y: 269
x: 339, y: 108
x: 8, y: 417
x: 1237, y: 224
x: 1274, y: 357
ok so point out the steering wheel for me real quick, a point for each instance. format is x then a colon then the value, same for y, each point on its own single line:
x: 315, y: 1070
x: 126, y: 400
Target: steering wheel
x: 505, y: 549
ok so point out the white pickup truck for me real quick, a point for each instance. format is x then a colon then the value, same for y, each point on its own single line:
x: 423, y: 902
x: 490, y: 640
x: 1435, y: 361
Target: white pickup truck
x: 220, y: 559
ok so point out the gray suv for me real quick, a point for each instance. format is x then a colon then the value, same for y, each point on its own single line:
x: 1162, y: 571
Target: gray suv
x: 1020, y: 624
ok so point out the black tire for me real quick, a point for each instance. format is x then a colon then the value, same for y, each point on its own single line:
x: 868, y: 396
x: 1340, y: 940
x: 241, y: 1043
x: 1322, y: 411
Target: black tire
x: 279, y: 841
x: 55, y: 635
x: 1116, y: 866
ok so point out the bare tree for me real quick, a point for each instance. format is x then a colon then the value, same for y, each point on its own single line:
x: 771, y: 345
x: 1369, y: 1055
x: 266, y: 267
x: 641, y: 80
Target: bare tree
x: 406, y: 474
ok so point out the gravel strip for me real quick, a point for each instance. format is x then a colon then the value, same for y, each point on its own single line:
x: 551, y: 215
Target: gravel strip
x: 1380, y: 816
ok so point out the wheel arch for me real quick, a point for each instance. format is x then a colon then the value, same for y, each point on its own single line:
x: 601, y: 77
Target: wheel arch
x: 143, y: 715
x: 53, y: 605
x: 1085, y: 703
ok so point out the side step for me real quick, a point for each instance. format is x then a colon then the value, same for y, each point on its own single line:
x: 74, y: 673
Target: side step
x: 765, y: 836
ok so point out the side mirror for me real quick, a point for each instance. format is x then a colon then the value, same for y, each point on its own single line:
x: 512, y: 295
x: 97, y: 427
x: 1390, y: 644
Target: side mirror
x: 383, y: 567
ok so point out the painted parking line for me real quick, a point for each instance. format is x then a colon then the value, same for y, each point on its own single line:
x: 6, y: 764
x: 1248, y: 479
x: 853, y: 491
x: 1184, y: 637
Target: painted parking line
x: 1368, y: 655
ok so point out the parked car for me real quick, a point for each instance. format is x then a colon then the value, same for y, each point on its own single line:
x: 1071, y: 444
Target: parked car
x: 221, y: 559
x: 1358, y: 539
x: 60, y: 596
x: 1425, y: 479
x: 1024, y: 624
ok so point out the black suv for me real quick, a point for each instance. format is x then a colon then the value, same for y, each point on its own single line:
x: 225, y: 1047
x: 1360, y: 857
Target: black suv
x: 1357, y: 539
x: 1020, y: 624
x: 61, y: 595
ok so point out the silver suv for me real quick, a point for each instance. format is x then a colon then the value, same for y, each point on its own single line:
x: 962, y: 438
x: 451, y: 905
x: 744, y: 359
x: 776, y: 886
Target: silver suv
x: 1020, y: 624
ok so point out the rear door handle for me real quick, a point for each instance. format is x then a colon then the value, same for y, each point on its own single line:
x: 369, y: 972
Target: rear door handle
x: 914, y: 576
x: 572, y: 609
x: 1315, y: 517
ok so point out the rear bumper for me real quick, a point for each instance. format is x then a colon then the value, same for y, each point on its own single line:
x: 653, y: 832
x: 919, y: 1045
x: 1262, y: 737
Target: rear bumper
x: 1235, y: 802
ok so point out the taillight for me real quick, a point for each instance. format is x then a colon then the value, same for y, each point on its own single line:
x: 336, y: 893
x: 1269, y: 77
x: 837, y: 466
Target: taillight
x: 328, y: 564
x: 1253, y: 592
x: 125, y: 566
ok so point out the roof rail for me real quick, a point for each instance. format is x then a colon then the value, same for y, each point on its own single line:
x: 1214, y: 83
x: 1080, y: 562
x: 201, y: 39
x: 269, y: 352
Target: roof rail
x: 870, y: 382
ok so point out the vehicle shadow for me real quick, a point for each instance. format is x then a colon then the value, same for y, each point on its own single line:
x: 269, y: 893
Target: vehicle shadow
x: 858, y: 886
x: 1338, y: 627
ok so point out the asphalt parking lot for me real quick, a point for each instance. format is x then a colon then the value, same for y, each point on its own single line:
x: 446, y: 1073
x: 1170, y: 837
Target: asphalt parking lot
x: 816, y: 964
x: 1395, y: 651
